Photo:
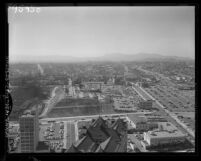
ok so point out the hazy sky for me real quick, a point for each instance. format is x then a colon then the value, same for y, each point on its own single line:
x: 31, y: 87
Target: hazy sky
x: 96, y: 31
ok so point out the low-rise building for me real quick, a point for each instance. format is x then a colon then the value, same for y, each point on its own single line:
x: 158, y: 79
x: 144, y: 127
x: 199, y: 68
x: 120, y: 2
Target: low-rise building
x: 141, y: 124
x: 166, y: 134
x: 93, y: 86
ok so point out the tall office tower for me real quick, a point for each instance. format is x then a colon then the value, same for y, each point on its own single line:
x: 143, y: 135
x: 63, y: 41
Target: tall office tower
x: 29, y: 131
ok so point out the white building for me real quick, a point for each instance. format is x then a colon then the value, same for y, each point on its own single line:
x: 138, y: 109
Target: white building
x: 140, y: 123
x: 166, y: 134
x: 93, y: 85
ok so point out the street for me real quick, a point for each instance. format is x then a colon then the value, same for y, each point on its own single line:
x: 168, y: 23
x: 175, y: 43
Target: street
x: 92, y: 116
x: 172, y: 116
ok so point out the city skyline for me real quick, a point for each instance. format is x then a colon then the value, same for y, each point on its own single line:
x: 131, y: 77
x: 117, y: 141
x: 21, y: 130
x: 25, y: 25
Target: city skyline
x: 99, y: 31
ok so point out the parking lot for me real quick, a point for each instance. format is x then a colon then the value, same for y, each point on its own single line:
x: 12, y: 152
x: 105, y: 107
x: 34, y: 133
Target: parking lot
x: 171, y: 99
x: 54, y: 133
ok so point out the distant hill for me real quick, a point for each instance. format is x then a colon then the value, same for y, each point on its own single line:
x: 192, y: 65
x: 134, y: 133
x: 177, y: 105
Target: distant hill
x: 142, y: 57
x: 109, y: 57
x: 44, y: 59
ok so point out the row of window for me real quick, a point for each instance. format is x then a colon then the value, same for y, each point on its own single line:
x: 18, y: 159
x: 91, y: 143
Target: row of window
x: 27, y: 126
x: 26, y: 122
x: 27, y: 141
x: 27, y: 132
x: 27, y: 150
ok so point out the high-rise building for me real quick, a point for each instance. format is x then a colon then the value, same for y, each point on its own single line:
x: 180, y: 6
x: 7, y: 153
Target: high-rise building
x: 29, y: 131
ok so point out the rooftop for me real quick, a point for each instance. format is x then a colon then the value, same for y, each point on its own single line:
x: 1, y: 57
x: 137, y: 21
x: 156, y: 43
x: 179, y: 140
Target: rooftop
x: 137, y: 119
x: 101, y: 137
x: 166, y: 129
x: 42, y: 146
x: 162, y: 134
x: 27, y: 115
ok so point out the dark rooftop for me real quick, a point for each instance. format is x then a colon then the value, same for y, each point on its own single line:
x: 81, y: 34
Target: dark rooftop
x: 102, y: 138
x: 42, y: 146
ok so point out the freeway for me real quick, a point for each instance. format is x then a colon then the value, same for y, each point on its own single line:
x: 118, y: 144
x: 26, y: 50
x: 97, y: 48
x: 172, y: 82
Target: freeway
x: 92, y: 116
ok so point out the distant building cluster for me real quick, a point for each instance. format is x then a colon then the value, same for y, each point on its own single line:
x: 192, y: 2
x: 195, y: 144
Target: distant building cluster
x: 106, y: 107
x: 93, y: 86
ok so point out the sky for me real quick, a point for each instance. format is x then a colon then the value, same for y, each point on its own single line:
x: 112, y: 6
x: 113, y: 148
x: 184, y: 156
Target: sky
x: 97, y: 31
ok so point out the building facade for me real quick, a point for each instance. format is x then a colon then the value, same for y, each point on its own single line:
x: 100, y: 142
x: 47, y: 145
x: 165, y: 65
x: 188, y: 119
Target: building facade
x: 166, y: 134
x: 29, y: 131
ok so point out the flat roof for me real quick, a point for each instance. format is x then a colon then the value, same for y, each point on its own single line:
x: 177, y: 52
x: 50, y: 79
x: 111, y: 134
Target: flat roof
x: 26, y: 115
x: 42, y: 145
x: 163, y: 134
x: 136, y: 119
x: 166, y: 129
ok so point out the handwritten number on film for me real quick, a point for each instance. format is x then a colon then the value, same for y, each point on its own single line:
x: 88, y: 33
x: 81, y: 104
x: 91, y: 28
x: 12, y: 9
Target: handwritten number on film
x: 26, y: 9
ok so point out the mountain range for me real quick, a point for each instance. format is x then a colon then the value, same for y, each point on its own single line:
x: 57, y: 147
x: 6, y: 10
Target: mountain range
x: 109, y: 57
